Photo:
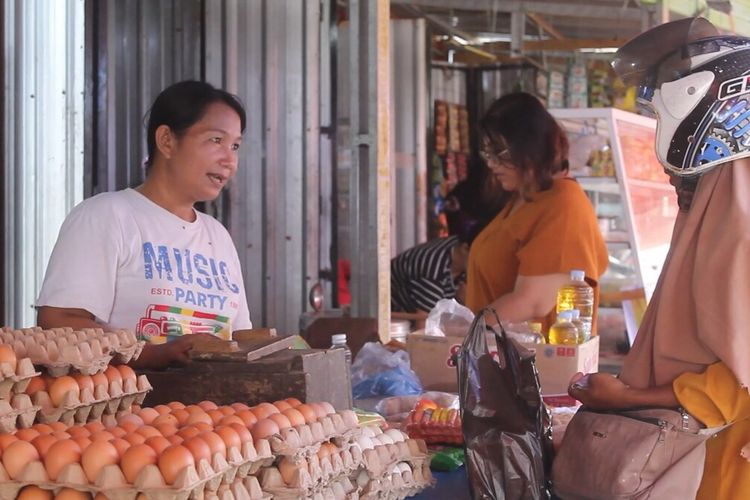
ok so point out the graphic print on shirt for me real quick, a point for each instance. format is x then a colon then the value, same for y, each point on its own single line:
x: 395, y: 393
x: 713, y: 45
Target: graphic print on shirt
x: 197, y: 294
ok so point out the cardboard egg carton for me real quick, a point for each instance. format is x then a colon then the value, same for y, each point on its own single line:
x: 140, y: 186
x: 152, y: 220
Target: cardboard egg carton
x: 89, y: 405
x: 16, y: 381
x: 17, y: 413
x: 305, y: 440
x: 302, y: 486
x: 64, y: 350
x: 206, y: 480
x: 402, y: 481
x: 383, y: 450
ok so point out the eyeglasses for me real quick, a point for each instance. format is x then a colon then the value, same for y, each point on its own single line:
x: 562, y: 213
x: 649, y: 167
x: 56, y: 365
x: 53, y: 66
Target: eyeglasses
x: 503, y: 157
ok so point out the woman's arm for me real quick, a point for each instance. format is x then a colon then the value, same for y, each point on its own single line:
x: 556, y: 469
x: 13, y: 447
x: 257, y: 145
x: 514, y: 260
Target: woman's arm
x: 532, y: 297
x: 602, y: 391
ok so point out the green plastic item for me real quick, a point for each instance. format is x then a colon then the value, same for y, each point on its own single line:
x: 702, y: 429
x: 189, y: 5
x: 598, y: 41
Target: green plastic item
x: 447, y: 459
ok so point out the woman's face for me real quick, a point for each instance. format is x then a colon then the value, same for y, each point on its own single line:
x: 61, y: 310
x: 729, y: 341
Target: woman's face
x: 204, y: 158
x: 499, y: 161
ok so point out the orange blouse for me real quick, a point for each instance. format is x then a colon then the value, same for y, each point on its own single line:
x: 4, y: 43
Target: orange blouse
x: 555, y: 232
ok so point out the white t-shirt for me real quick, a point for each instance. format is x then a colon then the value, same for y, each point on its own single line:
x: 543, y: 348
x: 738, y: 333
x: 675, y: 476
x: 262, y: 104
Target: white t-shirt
x: 137, y: 266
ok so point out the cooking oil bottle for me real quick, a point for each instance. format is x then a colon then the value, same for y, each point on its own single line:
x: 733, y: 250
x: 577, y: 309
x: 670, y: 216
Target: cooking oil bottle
x: 563, y: 331
x: 536, y: 330
x: 577, y: 294
x: 576, y: 320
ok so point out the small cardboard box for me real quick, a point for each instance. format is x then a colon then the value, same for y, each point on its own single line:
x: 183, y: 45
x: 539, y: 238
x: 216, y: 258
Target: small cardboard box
x: 432, y: 360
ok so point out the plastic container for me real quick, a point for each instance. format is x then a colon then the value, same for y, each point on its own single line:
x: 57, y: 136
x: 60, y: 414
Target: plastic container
x: 338, y: 341
x: 577, y: 294
x: 583, y: 334
x: 563, y: 331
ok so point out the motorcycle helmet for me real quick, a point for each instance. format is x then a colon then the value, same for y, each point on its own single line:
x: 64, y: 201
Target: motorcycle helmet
x: 697, y: 82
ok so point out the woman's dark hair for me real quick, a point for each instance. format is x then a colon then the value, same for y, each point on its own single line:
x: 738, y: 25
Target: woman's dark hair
x: 181, y: 105
x: 537, y: 144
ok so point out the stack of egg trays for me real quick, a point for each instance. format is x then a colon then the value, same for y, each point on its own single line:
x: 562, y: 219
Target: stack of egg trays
x: 222, y: 478
x: 16, y: 408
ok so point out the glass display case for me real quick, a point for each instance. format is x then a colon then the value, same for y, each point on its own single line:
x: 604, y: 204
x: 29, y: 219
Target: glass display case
x: 612, y: 156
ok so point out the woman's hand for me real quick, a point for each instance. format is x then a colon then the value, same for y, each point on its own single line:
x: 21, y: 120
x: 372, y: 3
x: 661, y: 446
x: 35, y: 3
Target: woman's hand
x: 599, y: 391
x: 156, y: 356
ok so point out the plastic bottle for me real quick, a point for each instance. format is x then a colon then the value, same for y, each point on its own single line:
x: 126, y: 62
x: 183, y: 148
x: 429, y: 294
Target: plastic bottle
x: 536, y: 329
x: 577, y: 294
x: 576, y: 320
x: 338, y: 341
x: 563, y: 331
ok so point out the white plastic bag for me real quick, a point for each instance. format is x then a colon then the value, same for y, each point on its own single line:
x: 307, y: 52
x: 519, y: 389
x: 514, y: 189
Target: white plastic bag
x: 449, y: 318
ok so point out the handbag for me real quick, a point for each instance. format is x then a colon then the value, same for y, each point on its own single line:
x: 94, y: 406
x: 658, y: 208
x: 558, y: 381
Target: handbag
x: 638, y: 453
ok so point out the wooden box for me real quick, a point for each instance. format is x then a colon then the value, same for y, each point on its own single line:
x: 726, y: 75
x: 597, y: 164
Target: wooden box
x: 305, y: 374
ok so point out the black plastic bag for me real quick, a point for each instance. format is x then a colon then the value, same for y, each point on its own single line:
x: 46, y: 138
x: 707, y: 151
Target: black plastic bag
x: 507, y: 429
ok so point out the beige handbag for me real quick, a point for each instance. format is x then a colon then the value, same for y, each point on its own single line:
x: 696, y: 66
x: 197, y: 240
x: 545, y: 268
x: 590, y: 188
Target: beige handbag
x: 653, y: 453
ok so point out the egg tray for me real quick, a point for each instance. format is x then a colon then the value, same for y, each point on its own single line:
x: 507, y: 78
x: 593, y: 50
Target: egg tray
x: 17, y: 413
x: 305, y: 440
x: 64, y: 350
x: 90, y: 405
x: 194, y: 482
x: 339, y: 486
x: 16, y: 381
x: 403, y: 481
x: 318, y: 473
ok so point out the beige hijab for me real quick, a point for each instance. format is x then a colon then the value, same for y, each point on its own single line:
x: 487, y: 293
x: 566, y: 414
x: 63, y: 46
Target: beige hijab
x: 700, y: 311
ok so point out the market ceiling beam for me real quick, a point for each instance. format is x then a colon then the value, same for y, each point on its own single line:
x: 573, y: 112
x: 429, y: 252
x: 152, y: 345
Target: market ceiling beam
x: 545, y: 8
x: 540, y: 21
x: 556, y: 45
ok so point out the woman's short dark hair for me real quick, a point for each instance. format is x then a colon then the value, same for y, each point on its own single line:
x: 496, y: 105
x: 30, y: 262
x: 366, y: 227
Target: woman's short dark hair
x: 181, y: 105
x: 536, y: 142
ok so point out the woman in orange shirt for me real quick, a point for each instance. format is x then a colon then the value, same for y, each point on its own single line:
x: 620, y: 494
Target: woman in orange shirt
x: 692, y: 346
x: 548, y: 228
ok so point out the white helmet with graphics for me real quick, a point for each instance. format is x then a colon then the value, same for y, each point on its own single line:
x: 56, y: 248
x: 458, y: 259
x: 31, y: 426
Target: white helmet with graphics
x: 697, y: 81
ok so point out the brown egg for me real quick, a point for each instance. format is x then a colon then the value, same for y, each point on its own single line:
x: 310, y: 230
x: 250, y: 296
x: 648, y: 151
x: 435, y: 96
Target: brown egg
x: 135, y: 459
x: 229, y: 436
x: 148, y: 415
x: 43, y: 428
x: 188, y: 432
x: 165, y: 418
x: 162, y: 409
x: 94, y: 427
x: 194, y: 409
x: 320, y: 412
x: 60, y: 435
x: 173, y: 460
x: 100, y: 380
x: 208, y: 405
x: 83, y: 442
x: 242, y: 432
x: 280, y: 420
x: 288, y: 469
x: 27, y: 434
x: 175, y: 439
x: 295, y: 417
x: 199, y: 417
x: 239, y: 406
x: 17, y: 456
x: 113, y: 375
x: 42, y: 443
x: 307, y: 412
x: 129, y: 426
x: 182, y: 416
x: 121, y: 445
x: 248, y: 417
x: 71, y: 494
x: 282, y: 405
x: 176, y: 405
x: 8, y: 356
x: 214, y: 442
x: 58, y: 426
x: 35, y: 385
x: 97, y: 456
x: 215, y: 416
x: 203, y: 426
x: 269, y: 408
x: 231, y: 419
x: 6, y: 439
x: 35, y: 493
x: 78, y: 431
x: 134, y: 439
x: 61, y: 454
x: 147, y: 431
x: 117, y: 432
x: 129, y: 419
x: 293, y: 401
x: 127, y: 373
x: 263, y: 429
x: 158, y: 443
x: 227, y: 410
x: 84, y: 382
x: 198, y: 448
x: 62, y: 386
x: 102, y: 436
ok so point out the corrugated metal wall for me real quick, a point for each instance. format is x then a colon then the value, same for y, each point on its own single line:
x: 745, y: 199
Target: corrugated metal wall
x: 43, y: 139
x: 268, y: 53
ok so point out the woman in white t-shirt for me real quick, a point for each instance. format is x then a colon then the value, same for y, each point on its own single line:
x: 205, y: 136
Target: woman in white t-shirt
x: 144, y: 259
